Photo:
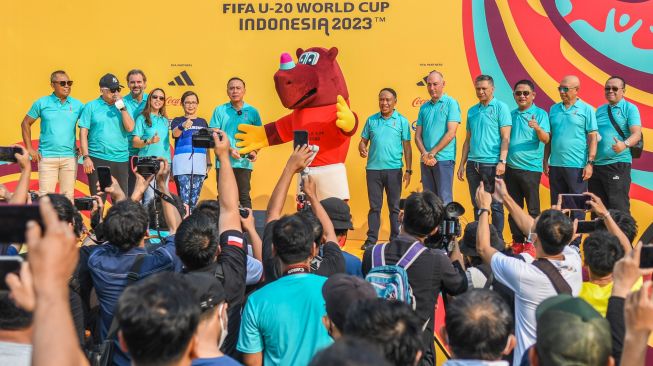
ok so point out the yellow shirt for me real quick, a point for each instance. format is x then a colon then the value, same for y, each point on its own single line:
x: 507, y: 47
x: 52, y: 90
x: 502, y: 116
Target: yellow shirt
x: 598, y: 296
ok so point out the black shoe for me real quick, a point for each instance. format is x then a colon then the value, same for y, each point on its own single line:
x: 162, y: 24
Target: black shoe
x: 367, y: 245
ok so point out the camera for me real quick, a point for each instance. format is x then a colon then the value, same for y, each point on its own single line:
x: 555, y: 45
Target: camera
x: 7, y: 153
x: 243, y: 212
x: 450, y: 228
x: 84, y: 203
x: 148, y: 165
x: 203, y: 138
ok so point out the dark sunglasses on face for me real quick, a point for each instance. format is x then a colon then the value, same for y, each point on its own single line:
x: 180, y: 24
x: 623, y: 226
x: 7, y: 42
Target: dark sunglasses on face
x: 611, y: 89
x: 63, y: 83
x: 524, y: 93
x: 565, y: 89
x: 159, y: 97
x: 116, y: 90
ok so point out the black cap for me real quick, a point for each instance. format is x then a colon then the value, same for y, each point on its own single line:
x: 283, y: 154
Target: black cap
x: 110, y: 81
x: 341, y: 292
x: 207, y: 289
x: 468, y: 244
x: 339, y: 213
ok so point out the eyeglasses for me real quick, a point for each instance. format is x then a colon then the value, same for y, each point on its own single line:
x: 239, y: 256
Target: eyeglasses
x: 63, y: 83
x: 113, y: 90
x: 190, y: 103
x: 159, y: 97
x: 611, y: 89
x: 565, y: 89
x: 525, y: 93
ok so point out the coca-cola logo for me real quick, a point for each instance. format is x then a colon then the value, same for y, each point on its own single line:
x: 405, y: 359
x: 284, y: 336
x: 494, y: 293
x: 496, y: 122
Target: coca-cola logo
x: 173, y: 101
x: 418, y: 101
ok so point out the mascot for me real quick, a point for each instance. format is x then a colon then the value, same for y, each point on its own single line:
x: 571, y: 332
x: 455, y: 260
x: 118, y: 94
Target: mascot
x: 316, y: 91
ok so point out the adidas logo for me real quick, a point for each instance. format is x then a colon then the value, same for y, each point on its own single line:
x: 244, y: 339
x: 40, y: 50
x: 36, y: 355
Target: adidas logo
x: 182, y: 80
x: 423, y: 81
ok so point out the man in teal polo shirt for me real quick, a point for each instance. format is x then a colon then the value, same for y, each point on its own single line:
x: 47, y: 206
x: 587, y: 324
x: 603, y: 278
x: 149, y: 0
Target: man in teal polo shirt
x: 59, y: 113
x: 611, y: 178
x: 388, y: 134
x: 135, y: 101
x: 227, y: 117
x: 486, y: 145
x: 437, y: 122
x: 573, y: 142
x: 105, y: 128
x: 530, y: 132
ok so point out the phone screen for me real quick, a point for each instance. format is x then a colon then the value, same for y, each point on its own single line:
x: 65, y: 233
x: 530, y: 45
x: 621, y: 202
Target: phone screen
x: 7, y: 153
x: 647, y: 237
x: 14, y: 220
x: 8, y: 264
x: 300, y: 138
x: 586, y: 226
x: 104, y: 177
x: 646, y: 257
x: 574, y: 202
x: 488, y: 183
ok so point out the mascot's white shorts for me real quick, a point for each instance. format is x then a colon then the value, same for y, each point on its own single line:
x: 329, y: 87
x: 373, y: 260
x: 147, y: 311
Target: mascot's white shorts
x: 330, y: 180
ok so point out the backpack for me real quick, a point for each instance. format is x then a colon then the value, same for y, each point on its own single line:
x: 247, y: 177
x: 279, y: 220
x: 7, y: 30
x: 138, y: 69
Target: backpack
x: 391, y: 281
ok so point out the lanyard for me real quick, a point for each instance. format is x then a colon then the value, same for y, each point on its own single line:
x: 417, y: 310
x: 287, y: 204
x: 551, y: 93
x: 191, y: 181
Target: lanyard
x: 296, y: 269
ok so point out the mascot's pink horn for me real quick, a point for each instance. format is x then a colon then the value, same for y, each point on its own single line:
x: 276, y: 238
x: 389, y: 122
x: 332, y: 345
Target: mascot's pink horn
x: 286, y: 62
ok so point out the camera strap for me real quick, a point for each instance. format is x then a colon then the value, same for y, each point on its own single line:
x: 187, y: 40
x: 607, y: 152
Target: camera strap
x: 163, y: 196
x: 296, y: 269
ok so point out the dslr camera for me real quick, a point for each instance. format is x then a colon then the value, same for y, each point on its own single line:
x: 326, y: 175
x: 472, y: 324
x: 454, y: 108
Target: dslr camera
x: 147, y: 165
x: 203, y: 138
x: 84, y: 203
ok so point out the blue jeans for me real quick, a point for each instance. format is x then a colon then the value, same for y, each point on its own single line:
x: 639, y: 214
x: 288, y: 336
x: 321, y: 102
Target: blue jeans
x: 474, y: 172
x: 439, y: 179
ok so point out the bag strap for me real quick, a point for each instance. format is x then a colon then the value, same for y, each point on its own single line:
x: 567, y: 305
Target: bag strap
x: 411, y: 255
x: 614, y: 124
x: 132, y: 276
x: 378, y: 255
x: 219, y: 272
x: 559, y: 283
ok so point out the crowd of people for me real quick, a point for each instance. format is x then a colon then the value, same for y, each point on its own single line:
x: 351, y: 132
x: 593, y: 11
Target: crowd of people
x: 161, y: 279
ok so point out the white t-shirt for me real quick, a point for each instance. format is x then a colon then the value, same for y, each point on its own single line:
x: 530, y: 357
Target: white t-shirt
x: 15, y: 354
x: 531, y: 287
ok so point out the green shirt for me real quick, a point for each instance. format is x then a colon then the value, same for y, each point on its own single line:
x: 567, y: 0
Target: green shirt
x: 386, y: 140
x: 58, y: 124
x: 569, y: 129
x: 526, y: 151
x: 160, y: 126
x: 625, y: 115
x: 433, y: 117
x: 284, y: 320
x: 484, y: 123
x: 107, y: 138
x: 137, y: 109
x: 226, y: 118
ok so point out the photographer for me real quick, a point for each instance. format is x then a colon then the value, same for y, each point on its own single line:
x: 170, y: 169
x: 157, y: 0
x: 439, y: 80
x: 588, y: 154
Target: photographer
x: 432, y: 270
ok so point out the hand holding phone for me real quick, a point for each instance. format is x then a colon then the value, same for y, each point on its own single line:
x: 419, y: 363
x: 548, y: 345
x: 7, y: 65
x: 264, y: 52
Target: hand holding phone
x: 646, y: 257
x: 9, y: 264
x: 104, y: 177
x: 300, y: 138
x: 575, y: 202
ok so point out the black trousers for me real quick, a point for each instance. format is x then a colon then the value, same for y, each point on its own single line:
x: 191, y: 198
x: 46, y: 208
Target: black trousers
x: 378, y: 181
x: 567, y: 180
x: 523, y: 186
x: 243, y: 178
x: 475, y: 172
x: 120, y: 171
x: 612, y: 184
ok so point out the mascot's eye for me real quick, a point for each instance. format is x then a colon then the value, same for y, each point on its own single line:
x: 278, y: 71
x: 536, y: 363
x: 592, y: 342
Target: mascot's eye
x: 309, y: 58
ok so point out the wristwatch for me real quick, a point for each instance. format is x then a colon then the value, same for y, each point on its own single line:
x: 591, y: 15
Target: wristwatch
x: 626, y: 143
x: 84, y: 157
x: 590, y: 162
x: 481, y: 210
x: 409, y: 171
x: 502, y: 161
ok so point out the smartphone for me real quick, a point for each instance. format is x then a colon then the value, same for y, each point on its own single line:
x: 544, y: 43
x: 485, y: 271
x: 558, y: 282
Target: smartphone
x: 488, y: 183
x: 646, y: 257
x: 7, y: 153
x: 575, y: 202
x: 14, y: 220
x: 402, y: 203
x: 8, y: 264
x: 84, y: 203
x: 104, y: 177
x: 300, y: 138
x: 586, y: 226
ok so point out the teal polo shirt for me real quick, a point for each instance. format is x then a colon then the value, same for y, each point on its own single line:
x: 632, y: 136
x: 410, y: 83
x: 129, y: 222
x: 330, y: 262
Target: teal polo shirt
x: 625, y: 115
x: 226, y: 118
x: 137, y: 109
x: 526, y: 151
x: 160, y: 126
x: 386, y: 137
x: 433, y: 117
x: 569, y: 129
x: 58, y: 123
x: 484, y: 123
x: 107, y: 138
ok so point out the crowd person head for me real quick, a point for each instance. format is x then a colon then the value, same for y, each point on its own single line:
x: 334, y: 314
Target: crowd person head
x: 66, y: 211
x: 197, y: 241
x: 350, y: 351
x: 524, y: 93
x: 484, y: 85
x: 479, y: 326
x: 601, y: 251
x: 110, y: 88
x: 553, y: 231
x: 341, y: 292
x: 125, y: 225
x: 158, y: 318
x: 625, y: 222
x: 423, y: 213
x: 392, y: 325
x: 570, y: 332
x: 468, y: 244
x: 136, y: 82
x: 340, y: 215
x: 293, y: 238
x: 61, y: 84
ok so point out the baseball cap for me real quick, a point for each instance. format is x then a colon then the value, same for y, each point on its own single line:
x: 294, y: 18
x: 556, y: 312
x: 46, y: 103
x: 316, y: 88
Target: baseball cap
x: 571, y: 332
x: 110, y: 81
x: 341, y: 292
x: 207, y: 289
x: 339, y: 213
x: 468, y: 244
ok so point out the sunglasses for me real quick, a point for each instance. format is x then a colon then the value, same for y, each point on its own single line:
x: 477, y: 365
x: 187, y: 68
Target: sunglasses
x: 159, y: 97
x: 113, y: 90
x: 611, y: 89
x: 565, y: 89
x: 524, y: 93
x: 63, y: 83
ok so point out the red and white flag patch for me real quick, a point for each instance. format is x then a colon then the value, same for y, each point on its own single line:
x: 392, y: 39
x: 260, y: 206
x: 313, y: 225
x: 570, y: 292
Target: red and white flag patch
x: 235, y: 241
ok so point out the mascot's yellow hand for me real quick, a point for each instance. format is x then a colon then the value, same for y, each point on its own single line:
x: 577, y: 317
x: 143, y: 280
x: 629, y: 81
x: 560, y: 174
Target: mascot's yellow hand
x: 251, y: 138
x: 346, y: 120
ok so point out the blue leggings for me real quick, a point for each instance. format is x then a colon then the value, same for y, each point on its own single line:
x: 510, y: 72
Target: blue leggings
x: 187, y: 195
